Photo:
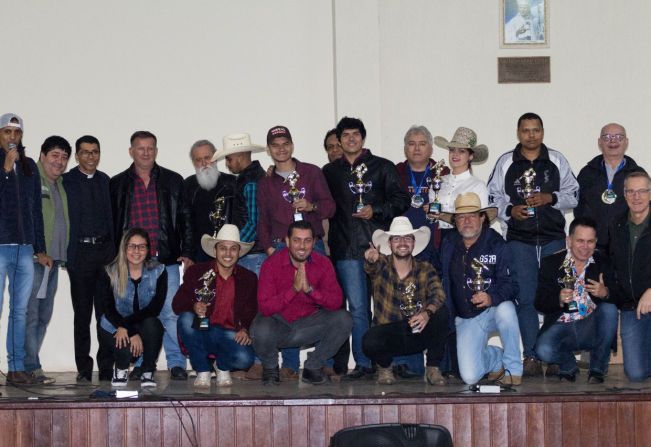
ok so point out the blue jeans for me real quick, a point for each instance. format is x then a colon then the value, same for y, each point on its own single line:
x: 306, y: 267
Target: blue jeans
x: 352, y: 277
x: 216, y: 341
x: 525, y: 272
x: 39, y: 314
x: 558, y: 342
x: 173, y: 353
x: 253, y: 262
x: 635, y: 345
x: 17, y: 264
x: 476, y: 356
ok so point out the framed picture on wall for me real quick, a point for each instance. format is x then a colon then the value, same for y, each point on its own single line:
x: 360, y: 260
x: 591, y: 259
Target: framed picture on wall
x: 524, y: 23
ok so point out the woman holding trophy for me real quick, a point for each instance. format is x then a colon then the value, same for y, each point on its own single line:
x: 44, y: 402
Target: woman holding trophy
x: 133, y: 291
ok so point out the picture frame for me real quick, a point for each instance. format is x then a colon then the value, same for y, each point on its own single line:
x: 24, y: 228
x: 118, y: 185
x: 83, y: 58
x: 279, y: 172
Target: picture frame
x: 524, y: 24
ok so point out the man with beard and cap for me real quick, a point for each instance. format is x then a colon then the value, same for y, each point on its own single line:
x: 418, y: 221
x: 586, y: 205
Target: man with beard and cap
x: 210, y: 192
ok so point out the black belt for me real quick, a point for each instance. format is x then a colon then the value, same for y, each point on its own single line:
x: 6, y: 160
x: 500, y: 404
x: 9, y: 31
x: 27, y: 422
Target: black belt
x: 93, y: 240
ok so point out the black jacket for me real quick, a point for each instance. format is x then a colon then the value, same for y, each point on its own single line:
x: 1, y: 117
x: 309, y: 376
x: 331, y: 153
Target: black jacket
x: 175, y: 237
x: 349, y: 236
x: 633, y: 274
x: 593, y: 181
x: 548, y: 291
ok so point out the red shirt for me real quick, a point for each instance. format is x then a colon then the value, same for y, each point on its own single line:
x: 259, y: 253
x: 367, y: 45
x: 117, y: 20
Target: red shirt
x: 222, y: 305
x: 276, y: 294
x: 144, y: 211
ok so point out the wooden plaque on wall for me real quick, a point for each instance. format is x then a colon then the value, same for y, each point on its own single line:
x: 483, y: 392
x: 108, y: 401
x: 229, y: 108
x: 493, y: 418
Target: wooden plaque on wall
x: 511, y: 70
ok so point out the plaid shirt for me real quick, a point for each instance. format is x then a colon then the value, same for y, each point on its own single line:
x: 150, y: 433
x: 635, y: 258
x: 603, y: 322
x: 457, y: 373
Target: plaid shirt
x: 248, y: 232
x: 144, y: 211
x: 388, y: 288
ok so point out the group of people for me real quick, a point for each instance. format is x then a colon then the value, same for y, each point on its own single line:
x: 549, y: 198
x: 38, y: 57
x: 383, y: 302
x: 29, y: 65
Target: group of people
x: 293, y: 256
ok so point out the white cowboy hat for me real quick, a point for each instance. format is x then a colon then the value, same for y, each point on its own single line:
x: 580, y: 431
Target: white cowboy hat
x: 400, y: 226
x: 228, y: 232
x: 465, y: 138
x: 236, y: 143
x: 468, y: 202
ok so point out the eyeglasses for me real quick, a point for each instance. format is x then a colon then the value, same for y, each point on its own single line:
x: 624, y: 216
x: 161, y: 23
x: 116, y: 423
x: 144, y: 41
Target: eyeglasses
x: 610, y: 137
x: 409, y: 238
x: 137, y: 247
x: 636, y: 192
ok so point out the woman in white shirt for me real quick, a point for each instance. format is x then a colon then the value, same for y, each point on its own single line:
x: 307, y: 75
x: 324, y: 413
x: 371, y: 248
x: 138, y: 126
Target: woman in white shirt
x: 464, y: 151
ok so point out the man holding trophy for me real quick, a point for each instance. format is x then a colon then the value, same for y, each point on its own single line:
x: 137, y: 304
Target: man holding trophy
x: 480, y: 293
x: 216, y: 304
x: 579, y: 307
x: 409, y: 315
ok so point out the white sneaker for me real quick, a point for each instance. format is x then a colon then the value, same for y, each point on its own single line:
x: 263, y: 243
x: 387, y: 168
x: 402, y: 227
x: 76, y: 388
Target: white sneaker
x: 224, y: 378
x: 147, y: 380
x: 120, y: 377
x: 202, y: 380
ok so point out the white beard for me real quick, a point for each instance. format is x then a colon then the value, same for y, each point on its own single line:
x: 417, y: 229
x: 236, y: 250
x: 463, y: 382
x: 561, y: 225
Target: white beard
x: 207, y: 177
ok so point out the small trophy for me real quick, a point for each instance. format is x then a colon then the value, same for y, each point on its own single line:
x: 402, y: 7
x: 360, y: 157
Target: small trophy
x: 409, y: 305
x: 478, y: 283
x: 294, y: 193
x: 528, y: 178
x: 360, y: 186
x: 435, y: 185
x: 216, y: 217
x: 204, y: 295
x: 567, y: 281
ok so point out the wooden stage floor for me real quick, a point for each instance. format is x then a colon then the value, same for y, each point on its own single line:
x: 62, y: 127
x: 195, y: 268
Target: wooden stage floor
x: 540, y: 412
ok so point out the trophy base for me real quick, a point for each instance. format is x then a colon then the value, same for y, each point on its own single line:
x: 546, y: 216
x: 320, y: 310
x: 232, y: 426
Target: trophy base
x: 531, y: 211
x: 359, y: 207
x: 201, y: 323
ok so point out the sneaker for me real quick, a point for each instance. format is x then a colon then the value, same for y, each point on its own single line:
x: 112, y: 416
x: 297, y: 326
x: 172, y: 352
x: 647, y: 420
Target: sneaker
x: 288, y: 374
x: 434, y: 376
x: 595, y: 378
x: 571, y: 377
x: 254, y: 372
x: 120, y: 377
x: 178, y: 373
x: 224, y: 378
x: 385, y: 376
x: 39, y: 377
x: 20, y: 378
x: 147, y: 380
x: 360, y: 372
x: 532, y: 367
x: 270, y: 376
x: 313, y: 376
x: 202, y: 380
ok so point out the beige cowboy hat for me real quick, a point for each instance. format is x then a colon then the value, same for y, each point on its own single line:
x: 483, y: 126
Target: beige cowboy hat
x: 228, y: 232
x: 468, y: 203
x: 400, y: 226
x: 465, y: 138
x: 236, y: 143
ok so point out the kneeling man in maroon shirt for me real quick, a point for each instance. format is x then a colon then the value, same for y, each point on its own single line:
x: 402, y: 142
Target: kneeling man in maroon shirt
x: 299, y: 301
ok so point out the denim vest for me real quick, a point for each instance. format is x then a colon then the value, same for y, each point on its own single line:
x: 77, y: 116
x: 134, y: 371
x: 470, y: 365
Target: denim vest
x: 146, y: 291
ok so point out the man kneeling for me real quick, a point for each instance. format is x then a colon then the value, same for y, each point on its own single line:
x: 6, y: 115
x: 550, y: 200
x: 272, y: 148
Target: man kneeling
x: 299, y: 301
x: 409, y: 311
x: 219, y: 324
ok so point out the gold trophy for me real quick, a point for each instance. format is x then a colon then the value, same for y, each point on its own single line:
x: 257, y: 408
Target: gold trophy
x: 568, y: 281
x: 478, y: 283
x: 360, y: 186
x: 434, y: 208
x: 217, y: 217
x: 294, y: 193
x: 528, y: 178
x: 409, y: 305
x: 204, y: 295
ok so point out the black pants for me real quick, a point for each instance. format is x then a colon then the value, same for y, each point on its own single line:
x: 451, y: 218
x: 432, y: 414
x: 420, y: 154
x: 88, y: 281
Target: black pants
x: 382, y: 343
x: 83, y: 275
x: 151, y: 332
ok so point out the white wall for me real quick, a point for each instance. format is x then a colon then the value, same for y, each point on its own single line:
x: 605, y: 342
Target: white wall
x: 202, y: 69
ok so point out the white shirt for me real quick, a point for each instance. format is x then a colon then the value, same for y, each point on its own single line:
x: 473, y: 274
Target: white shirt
x: 452, y: 186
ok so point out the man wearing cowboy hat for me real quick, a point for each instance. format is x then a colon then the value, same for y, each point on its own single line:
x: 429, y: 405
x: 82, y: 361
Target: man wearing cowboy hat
x: 480, y: 293
x: 409, y: 315
x: 230, y: 313
x: 533, y: 187
x: 236, y: 151
x: 299, y: 301
x: 203, y: 189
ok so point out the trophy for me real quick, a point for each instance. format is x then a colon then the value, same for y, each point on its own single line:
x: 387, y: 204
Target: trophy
x: 568, y: 280
x: 528, y: 177
x: 204, y: 295
x: 478, y: 283
x: 409, y: 305
x: 434, y: 208
x: 294, y: 193
x: 360, y: 186
x: 217, y: 217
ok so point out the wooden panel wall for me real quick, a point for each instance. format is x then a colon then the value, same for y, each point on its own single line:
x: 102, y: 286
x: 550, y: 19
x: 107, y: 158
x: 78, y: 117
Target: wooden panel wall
x: 608, y: 424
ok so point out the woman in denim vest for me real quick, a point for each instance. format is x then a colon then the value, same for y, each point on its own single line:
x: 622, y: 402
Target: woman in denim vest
x: 133, y: 292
